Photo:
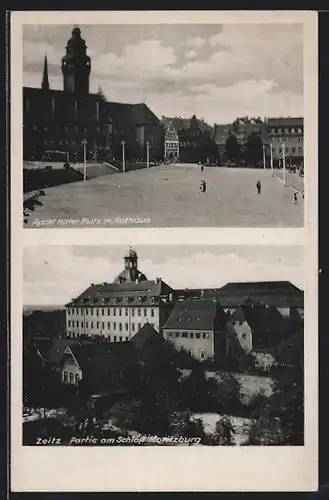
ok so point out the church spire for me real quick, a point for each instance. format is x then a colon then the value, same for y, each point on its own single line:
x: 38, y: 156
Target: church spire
x: 45, y: 80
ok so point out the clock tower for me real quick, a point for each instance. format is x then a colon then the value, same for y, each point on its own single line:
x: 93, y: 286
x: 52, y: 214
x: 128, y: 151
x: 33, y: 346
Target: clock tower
x: 76, y: 65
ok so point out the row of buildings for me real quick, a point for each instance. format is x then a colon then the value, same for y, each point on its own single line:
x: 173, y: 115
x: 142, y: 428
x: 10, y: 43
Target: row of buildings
x: 72, y: 123
x: 107, y: 322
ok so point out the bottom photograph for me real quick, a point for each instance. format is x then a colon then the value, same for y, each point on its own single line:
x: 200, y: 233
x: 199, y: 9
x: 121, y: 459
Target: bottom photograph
x: 163, y: 345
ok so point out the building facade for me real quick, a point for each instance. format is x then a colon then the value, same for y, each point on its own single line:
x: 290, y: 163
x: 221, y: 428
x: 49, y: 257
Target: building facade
x: 56, y: 121
x: 171, y: 146
x: 286, y: 135
x: 118, y: 310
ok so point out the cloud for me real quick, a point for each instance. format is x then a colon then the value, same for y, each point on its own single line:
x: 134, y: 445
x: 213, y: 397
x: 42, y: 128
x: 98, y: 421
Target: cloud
x: 195, y: 42
x: 51, y: 278
x: 191, y: 54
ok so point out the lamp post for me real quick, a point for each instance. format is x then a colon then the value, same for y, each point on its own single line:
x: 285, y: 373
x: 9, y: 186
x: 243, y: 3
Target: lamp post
x: 147, y: 154
x: 264, y: 156
x: 84, y: 143
x: 123, y: 156
x: 284, y: 162
x: 271, y: 151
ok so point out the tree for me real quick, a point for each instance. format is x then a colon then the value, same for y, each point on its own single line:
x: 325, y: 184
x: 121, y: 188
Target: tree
x: 228, y: 394
x: 29, y: 205
x: 254, y: 149
x: 233, y: 151
x: 182, y: 424
x: 224, y: 433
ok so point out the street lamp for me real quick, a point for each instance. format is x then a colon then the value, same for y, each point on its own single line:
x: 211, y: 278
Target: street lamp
x: 271, y: 151
x: 264, y: 156
x: 84, y: 143
x: 147, y: 154
x: 284, y: 162
x: 123, y: 156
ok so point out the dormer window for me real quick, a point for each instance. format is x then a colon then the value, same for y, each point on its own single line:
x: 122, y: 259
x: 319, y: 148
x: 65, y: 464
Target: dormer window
x: 114, y: 300
x: 126, y: 300
x: 139, y: 300
x: 152, y: 300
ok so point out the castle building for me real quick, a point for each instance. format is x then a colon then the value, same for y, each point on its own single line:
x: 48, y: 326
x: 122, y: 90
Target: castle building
x: 56, y: 122
x: 118, y: 310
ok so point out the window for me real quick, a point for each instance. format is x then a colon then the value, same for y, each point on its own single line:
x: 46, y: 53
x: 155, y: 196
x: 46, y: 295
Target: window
x: 127, y: 338
x: 133, y: 327
x: 120, y: 327
x: 126, y: 312
x: 92, y: 324
x: 177, y: 335
x: 300, y: 131
x: 126, y: 326
x: 120, y: 312
x: 170, y: 334
x: 139, y: 300
x: 114, y: 326
x: 102, y: 312
x: 114, y: 300
x: 145, y: 312
x: 65, y: 378
x: 71, y: 378
x: 97, y: 312
x: 152, y: 300
x: 120, y: 339
x: 87, y: 324
x: 139, y: 326
x: 152, y: 325
x: 197, y: 335
x: 133, y: 312
x: 114, y: 312
x: 293, y: 150
x: 81, y: 312
x: 108, y: 324
x: 77, y: 378
x: 77, y: 323
x: 286, y: 131
x: 114, y: 338
x: 69, y: 322
x: 103, y: 325
x: 191, y: 335
x: 279, y: 130
x: 280, y: 150
x: 152, y: 313
x: 97, y: 324
x: 293, y: 130
x: 81, y: 324
x: 202, y: 355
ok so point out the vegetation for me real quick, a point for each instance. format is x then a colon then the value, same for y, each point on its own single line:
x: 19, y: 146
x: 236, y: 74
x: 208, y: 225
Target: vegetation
x: 39, y: 178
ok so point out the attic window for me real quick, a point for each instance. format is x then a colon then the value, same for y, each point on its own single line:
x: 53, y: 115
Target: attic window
x: 126, y: 300
x: 139, y: 300
x: 114, y: 300
x: 240, y: 323
x: 152, y: 300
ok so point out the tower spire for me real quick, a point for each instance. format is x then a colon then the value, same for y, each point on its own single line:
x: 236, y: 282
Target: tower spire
x: 45, y: 80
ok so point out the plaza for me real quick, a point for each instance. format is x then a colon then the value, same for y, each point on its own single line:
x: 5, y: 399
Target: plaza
x: 169, y: 196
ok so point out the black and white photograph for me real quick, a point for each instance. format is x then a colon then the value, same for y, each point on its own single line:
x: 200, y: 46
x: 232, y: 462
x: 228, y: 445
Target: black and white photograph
x: 163, y: 346
x: 163, y: 125
x: 163, y: 251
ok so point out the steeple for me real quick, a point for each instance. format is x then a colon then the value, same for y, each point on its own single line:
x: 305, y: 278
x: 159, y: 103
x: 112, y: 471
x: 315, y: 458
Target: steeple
x: 76, y: 64
x: 130, y: 274
x: 45, y: 80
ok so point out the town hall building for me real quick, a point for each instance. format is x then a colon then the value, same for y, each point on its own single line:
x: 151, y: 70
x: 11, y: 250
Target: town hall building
x: 56, y: 123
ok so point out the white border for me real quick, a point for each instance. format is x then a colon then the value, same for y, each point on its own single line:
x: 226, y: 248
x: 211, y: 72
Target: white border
x: 167, y: 469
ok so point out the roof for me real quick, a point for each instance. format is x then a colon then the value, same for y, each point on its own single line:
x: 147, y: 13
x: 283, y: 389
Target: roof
x: 146, y: 335
x: 285, y: 121
x: 99, y: 354
x: 105, y: 293
x: 52, y: 349
x: 184, y: 123
x: 278, y: 293
x: 260, y: 319
x: 196, y: 315
x: 136, y: 114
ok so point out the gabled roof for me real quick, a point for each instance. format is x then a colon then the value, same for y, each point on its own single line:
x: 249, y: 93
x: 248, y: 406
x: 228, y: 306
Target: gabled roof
x: 260, y: 287
x: 146, y: 335
x: 99, y: 354
x: 52, y: 349
x: 190, y: 314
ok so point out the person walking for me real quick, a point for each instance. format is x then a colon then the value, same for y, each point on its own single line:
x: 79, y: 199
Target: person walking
x: 295, y: 198
x: 259, y: 187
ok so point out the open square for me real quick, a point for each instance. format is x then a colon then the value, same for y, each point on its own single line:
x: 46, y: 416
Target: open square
x: 170, y: 196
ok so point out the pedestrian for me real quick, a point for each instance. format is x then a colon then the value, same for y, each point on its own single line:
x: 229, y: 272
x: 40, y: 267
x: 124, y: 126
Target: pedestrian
x: 295, y: 197
x: 203, y: 186
x: 259, y: 187
x: 202, y: 167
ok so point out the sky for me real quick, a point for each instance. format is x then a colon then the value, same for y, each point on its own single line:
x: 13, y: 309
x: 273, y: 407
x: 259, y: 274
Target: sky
x: 215, y: 71
x: 55, y: 274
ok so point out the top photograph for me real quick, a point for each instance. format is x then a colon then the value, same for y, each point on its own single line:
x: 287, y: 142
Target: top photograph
x: 163, y: 125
